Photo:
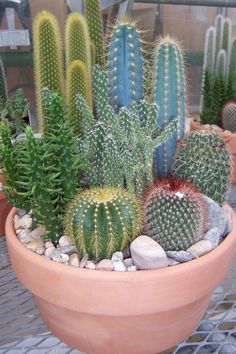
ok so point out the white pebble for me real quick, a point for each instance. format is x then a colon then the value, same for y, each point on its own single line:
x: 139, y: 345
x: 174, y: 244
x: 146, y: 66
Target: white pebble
x: 83, y: 261
x: 132, y: 268
x: 119, y: 266
x: 49, y: 244
x: 105, y: 264
x: 74, y: 260
x: 200, y: 248
x: 128, y: 262
x: 90, y: 265
x: 24, y: 223
x: 117, y: 256
x: 37, y: 233
x: 49, y: 251
x: 65, y: 241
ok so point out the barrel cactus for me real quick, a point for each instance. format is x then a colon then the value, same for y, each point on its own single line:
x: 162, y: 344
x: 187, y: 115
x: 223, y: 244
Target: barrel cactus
x: 204, y: 160
x: 229, y: 116
x: 173, y: 214
x: 102, y: 221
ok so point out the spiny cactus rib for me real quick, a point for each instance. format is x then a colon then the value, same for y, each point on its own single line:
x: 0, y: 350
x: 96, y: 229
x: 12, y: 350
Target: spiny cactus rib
x: 219, y: 25
x: 204, y: 160
x: 125, y: 65
x: 227, y: 33
x: 232, y: 65
x: 221, y: 63
x: 229, y: 116
x: 3, y: 87
x: 102, y: 221
x: 48, y: 63
x: 209, y: 50
x: 173, y: 214
x: 94, y: 19
x: 169, y: 94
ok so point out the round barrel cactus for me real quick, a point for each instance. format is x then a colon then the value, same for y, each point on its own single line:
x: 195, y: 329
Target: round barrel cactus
x: 203, y: 159
x: 229, y: 116
x: 173, y: 214
x: 102, y: 221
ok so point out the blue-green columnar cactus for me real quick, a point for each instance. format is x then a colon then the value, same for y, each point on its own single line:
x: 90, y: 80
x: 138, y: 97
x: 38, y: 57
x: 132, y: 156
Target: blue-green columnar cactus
x: 221, y: 63
x: 169, y: 95
x: 219, y: 25
x: 125, y: 66
x: 209, y: 51
x: 102, y: 221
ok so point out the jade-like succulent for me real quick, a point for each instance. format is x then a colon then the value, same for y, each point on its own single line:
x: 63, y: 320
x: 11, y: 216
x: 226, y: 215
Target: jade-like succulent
x: 204, y: 160
x: 173, y: 214
x: 229, y: 116
x: 102, y: 221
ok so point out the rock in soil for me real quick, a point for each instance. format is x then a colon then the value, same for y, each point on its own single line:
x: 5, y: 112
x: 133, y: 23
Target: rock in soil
x: 200, y: 248
x: 117, y: 256
x: 119, y: 266
x: 90, y: 265
x: 37, y: 233
x: 180, y: 256
x: 105, y: 264
x: 213, y: 235
x: 132, y: 268
x: 49, y: 252
x: 65, y: 241
x: 83, y: 261
x: 172, y: 262
x: 23, y: 223
x: 74, y: 260
x: 34, y: 245
x: 216, y: 216
x: 128, y: 262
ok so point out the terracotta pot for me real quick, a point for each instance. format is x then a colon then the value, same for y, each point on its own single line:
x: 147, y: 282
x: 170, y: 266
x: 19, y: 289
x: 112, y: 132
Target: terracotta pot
x: 5, y: 207
x: 228, y: 137
x: 101, y: 312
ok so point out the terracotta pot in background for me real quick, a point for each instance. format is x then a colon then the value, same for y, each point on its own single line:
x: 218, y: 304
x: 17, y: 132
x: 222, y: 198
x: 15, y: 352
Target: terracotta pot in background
x: 5, y: 207
x: 99, y: 312
x: 228, y: 137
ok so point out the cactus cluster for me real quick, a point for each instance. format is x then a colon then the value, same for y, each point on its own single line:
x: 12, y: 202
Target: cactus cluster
x: 102, y: 221
x: 173, y: 214
x: 203, y: 159
x: 229, y: 116
x: 170, y: 96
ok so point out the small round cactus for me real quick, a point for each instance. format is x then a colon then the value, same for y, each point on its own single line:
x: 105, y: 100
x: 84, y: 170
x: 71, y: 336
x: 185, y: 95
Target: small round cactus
x: 229, y: 116
x: 102, y: 221
x: 173, y: 214
x: 203, y: 159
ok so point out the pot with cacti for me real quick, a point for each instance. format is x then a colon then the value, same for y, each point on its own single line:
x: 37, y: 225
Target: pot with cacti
x: 219, y: 85
x: 118, y: 229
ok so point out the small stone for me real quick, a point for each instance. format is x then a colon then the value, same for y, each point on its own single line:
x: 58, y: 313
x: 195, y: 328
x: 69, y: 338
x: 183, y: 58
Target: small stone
x: 40, y: 250
x: 65, y: 249
x: 105, y: 264
x: 117, y: 256
x: 21, y: 212
x: 180, y: 256
x: 229, y: 348
x: 206, y: 126
x: 34, y: 245
x: 216, y: 128
x: 18, y: 231
x: 49, y: 244
x: 127, y: 253
x: 119, y: 266
x: 24, y: 236
x: 216, y: 216
x: 229, y: 225
x: 90, y: 265
x: 65, y: 241
x: 213, y: 235
x: 128, y: 262
x: 62, y: 258
x: 172, y: 262
x: 49, y: 252
x: 132, y: 268
x: 24, y: 223
x: 37, y: 233
x: 16, y: 220
x: 83, y: 261
x: 200, y: 248
x: 74, y: 260
x: 147, y: 253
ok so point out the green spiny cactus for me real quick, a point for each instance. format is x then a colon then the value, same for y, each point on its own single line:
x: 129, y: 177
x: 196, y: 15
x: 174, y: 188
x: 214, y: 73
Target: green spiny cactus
x: 227, y: 33
x: 3, y: 87
x: 94, y: 19
x: 229, y: 116
x: 221, y: 63
x: 48, y: 62
x: 204, y: 160
x: 219, y: 25
x: 102, y: 221
x: 125, y: 65
x: 232, y: 62
x: 209, y: 51
x: 173, y: 214
x: 92, y: 54
x: 78, y: 82
x: 170, y: 96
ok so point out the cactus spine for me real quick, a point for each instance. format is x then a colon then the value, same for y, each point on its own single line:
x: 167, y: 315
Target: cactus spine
x: 47, y: 57
x: 173, y: 214
x: 3, y: 87
x: 94, y: 19
x: 169, y: 94
x: 102, y: 221
x: 229, y: 116
x: 125, y: 65
x: 204, y: 160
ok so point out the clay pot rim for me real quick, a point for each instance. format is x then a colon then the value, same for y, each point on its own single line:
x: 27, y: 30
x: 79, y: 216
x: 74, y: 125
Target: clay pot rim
x: 144, y: 275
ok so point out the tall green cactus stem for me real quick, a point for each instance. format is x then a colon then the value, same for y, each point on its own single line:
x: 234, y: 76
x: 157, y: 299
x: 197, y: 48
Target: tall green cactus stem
x: 173, y: 214
x: 94, y: 19
x: 170, y: 96
x: 3, y: 87
x: 48, y: 62
x: 102, y: 221
x: 209, y: 51
x: 232, y: 63
x: 78, y: 82
x: 204, y: 160
x: 221, y: 63
x: 219, y: 25
x: 92, y: 54
x: 229, y: 116
x: 125, y: 65
x: 227, y: 33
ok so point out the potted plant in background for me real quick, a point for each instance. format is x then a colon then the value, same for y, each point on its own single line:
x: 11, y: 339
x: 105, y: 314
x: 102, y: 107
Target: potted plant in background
x: 91, y: 176
x: 219, y: 85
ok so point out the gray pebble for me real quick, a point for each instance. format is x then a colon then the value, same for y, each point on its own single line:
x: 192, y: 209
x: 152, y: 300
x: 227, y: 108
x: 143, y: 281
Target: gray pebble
x: 65, y: 249
x: 119, y: 266
x: 128, y: 262
x: 216, y: 216
x: 180, y: 256
x: 117, y: 256
x: 213, y: 235
x: 132, y: 268
x: 21, y: 212
x: 83, y: 261
x: 172, y: 262
x: 228, y: 349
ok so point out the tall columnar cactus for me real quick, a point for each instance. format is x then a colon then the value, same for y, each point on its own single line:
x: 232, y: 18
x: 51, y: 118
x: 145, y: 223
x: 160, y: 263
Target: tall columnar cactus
x: 173, y: 214
x: 125, y: 65
x: 229, y: 116
x: 170, y: 96
x: 232, y: 62
x: 94, y: 19
x: 219, y: 25
x: 209, y: 50
x: 3, y: 87
x: 102, y: 221
x: 227, y: 33
x: 221, y: 63
x: 78, y: 82
x: 48, y: 62
x: 204, y: 160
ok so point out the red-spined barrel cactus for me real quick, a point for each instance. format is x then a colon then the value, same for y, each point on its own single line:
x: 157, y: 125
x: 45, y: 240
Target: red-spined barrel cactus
x: 229, y: 116
x: 173, y: 214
